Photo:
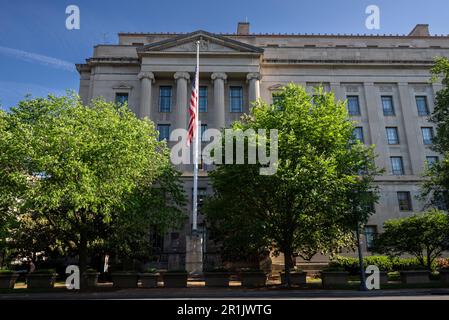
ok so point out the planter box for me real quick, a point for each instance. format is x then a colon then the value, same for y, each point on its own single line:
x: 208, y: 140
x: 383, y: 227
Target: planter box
x: 332, y: 278
x: 253, y: 279
x: 91, y: 279
x: 8, y: 280
x: 415, y: 276
x: 125, y: 279
x: 175, y: 280
x: 149, y: 280
x: 296, y: 278
x: 40, y: 281
x: 217, y: 279
x: 444, y: 276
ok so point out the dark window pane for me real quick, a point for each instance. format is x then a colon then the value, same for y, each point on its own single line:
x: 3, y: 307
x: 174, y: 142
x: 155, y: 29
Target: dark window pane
x: 427, y: 135
x: 358, y: 134
x: 370, y: 235
x: 203, y: 99
x: 236, y: 99
x: 121, y: 98
x: 387, y: 105
x: 397, y: 166
x: 353, y: 105
x: 421, y: 104
x: 165, y: 93
x: 164, y: 131
x: 431, y: 160
x: 392, y: 135
x: 404, y: 201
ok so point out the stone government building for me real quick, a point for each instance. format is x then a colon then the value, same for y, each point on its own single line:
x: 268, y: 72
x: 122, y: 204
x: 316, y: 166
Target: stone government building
x: 383, y: 77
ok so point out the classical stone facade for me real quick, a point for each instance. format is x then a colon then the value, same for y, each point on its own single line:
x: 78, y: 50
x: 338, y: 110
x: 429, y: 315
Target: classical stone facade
x: 384, y: 77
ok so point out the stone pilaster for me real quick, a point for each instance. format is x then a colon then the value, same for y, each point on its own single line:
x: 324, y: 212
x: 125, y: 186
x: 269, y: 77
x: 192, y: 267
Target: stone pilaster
x: 181, y: 100
x: 218, y: 80
x: 412, y: 130
x: 376, y: 126
x: 146, y: 80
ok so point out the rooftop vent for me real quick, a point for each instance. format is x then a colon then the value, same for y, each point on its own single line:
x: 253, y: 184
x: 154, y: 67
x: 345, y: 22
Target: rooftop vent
x: 243, y: 28
x: 420, y: 30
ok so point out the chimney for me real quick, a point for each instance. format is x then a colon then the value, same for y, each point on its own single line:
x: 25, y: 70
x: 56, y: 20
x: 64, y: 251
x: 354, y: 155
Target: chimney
x: 243, y: 28
x: 420, y: 30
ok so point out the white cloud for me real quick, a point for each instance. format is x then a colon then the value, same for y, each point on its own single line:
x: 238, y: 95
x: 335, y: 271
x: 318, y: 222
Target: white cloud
x: 41, y: 59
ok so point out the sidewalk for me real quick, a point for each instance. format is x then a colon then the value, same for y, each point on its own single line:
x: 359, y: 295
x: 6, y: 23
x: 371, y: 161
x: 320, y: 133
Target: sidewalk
x: 230, y: 293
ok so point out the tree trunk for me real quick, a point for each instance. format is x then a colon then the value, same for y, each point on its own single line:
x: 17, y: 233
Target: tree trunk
x: 429, y: 263
x: 288, y: 263
x: 82, y: 250
x: 361, y: 266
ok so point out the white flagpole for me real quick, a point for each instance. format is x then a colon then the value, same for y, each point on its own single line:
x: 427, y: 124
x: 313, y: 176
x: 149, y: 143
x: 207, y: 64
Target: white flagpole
x: 196, y: 143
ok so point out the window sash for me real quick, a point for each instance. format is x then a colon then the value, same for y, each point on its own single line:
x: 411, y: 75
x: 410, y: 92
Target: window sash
x: 202, y: 101
x: 427, y: 135
x: 236, y: 99
x: 404, y: 201
x: 165, y: 94
x: 121, y: 97
x: 397, y: 166
x: 358, y: 134
x: 387, y: 105
x: 203, y: 130
x: 421, y: 104
x: 164, y: 131
x: 353, y: 105
x: 392, y: 135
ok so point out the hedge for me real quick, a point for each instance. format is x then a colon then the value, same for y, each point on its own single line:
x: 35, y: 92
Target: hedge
x: 384, y: 263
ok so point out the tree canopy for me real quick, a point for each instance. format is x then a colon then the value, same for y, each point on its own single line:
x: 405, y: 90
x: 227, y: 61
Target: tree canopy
x: 424, y: 235
x: 86, y: 172
x: 304, y: 208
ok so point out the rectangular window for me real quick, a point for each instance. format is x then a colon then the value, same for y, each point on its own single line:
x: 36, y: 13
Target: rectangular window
x: 431, y: 160
x: 164, y: 131
x: 276, y: 99
x: 165, y: 93
x: 358, y: 134
x: 121, y: 98
x: 370, y: 235
x: 353, y: 105
x: 421, y: 104
x: 427, y: 135
x: 203, y: 129
x: 392, y: 135
x: 404, y: 201
x: 387, y: 105
x: 203, y: 99
x: 236, y: 99
x: 397, y: 167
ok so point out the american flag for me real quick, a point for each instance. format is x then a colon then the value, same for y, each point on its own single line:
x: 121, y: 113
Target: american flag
x: 193, y: 109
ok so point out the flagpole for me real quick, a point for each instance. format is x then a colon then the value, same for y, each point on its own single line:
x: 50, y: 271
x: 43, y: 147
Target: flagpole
x: 196, y: 145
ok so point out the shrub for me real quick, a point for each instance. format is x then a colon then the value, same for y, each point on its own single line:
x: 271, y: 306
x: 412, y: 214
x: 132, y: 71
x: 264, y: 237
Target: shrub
x: 151, y: 270
x: 442, y: 263
x: 384, y: 263
x: 45, y: 271
x: 6, y: 272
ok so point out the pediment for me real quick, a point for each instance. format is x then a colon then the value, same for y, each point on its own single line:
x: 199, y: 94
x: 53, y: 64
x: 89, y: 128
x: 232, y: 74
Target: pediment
x: 208, y: 43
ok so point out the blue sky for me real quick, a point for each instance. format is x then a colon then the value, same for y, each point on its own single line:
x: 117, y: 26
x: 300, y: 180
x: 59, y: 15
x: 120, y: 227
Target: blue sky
x: 37, y: 51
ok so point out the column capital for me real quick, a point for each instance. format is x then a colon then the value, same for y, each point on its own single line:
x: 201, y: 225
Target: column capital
x: 182, y: 75
x: 253, y: 76
x: 219, y: 75
x: 146, y: 74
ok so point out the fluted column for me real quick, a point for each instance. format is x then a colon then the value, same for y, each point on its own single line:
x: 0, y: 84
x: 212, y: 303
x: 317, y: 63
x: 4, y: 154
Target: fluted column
x: 146, y: 80
x: 219, y: 99
x: 254, y: 86
x: 181, y: 99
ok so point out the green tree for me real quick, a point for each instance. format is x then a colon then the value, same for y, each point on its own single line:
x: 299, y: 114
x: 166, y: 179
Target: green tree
x: 84, y: 168
x: 435, y: 188
x: 424, y: 236
x: 303, y: 208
